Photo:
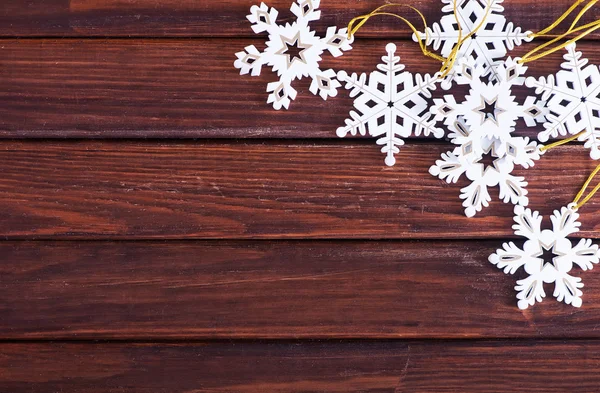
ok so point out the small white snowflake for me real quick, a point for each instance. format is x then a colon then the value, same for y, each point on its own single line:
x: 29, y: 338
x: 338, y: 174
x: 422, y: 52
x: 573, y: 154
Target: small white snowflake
x: 483, y: 125
x: 390, y: 104
x: 573, y: 101
x: 491, y: 42
x: 566, y: 287
x: 293, y: 52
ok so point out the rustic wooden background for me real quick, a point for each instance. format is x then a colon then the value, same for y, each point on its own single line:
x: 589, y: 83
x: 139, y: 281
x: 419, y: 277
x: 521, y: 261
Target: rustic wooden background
x: 164, y: 230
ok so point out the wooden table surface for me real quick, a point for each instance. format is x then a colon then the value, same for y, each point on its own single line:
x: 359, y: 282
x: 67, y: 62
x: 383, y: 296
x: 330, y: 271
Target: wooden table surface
x: 165, y: 230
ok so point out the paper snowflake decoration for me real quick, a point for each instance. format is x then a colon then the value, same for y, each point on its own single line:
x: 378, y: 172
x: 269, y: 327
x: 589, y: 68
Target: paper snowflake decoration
x: 573, y: 97
x: 483, y: 125
x: 547, y: 269
x: 390, y: 104
x: 489, y: 44
x: 293, y: 52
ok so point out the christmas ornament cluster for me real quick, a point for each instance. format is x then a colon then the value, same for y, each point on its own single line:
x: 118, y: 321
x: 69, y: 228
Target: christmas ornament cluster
x: 392, y: 103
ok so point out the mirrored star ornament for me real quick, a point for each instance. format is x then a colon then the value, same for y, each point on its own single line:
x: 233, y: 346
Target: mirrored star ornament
x: 547, y: 256
x: 293, y: 51
x: 390, y: 104
x: 573, y: 96
x: 481, y: 126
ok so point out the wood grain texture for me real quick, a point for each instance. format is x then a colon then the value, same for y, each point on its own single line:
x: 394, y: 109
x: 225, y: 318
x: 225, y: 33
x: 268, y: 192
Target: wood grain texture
x: 179, y: 89
x: 211, y: 190
x: 484, y: 367
x: 273, y: 290
x: 226, y: 18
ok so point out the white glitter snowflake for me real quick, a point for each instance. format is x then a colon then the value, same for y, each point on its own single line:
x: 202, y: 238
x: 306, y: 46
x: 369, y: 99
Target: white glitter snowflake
x: 390, y: 104
x: 483, y: 125
x: 283, y: 42
x: 489, y: 44
x: 573, y: 101
x: 543, y: 270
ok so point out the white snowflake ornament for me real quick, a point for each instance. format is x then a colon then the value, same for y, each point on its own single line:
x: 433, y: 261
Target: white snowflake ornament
x: 489, y: 44
x: 505, y: 155
x: 573, y: 97
x: 293, y: 52
x: 547, y: 269
x: 490, y: 110
x: 390, y: 104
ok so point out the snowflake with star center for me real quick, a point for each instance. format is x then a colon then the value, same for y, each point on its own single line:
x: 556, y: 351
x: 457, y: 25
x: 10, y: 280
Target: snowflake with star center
x: 488, y: 45
x: 390, y: 104
x: 573, y: 96
x: 483, y: 125
x: 293, y: 51
x: 541, y: 269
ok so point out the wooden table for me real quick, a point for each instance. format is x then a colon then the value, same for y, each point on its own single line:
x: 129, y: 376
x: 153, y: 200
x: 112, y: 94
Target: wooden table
x: 164, y: 230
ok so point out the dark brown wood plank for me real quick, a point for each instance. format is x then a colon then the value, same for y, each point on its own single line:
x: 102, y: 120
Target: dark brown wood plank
x: 209, y: 190
x: 273, y: 290
x: 226, y: 18
x: 176, y: 89
x: 482, y: 367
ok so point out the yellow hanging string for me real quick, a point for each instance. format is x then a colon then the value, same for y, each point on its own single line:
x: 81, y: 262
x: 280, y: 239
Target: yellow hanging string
x: 589, y: 28
x: 578, y: 202
x: 447, y: 63
x: 352, y: 30
x: 561, y: 142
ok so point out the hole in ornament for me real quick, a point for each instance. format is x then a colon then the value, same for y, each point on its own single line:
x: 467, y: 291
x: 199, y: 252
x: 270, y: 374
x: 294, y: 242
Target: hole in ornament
x: 565, y: 103
x: 455, y: 26
x: 578, y: 117
x: 371, y: 104
x: 525, y: 219
x: 534, y: 112
x: 584, y: 99
x: 336, y: 41
x: 409, y: 104
x: 381, y: 87
x: 570, y: 85
x: 588, y: 81
x: 381, y: 121
x: 461, y: 128
x: 391, y: 104
x: 489, y: 110
x: 473, y: 17
x: 475, y: 198
x: 474, y: 36
x: 490, y: 45
x: 306, y: 8
x: 294, y: 51
x: 586, y: 253
x: 281, y: 93
x: 512, y: 72
x: 263, y: 19
x: 250, y: 60
x: 324, y: 83
x: 511, y: 149
x: 400, y: 121
x: 446, y: 109
x: 400, y: 87
x: 596, y: 113
x: 490, y: 26
x: 487, y: 160
x: 448, y: 167
x: 547, y: 255
x: 475, y: 56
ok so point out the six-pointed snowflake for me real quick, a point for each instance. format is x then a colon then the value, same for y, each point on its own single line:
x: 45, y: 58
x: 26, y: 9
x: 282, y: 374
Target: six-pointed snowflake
x: 483, y: 125
x: 490, y: 43
x: 390, y: 104
x: 573, y: 101
x: 293, y: 52
x: 549, y: 270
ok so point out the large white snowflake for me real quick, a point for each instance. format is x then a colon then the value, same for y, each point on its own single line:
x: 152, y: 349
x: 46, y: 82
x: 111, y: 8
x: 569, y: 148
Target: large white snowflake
x: 483, y: 125
x: 293, y: 52
x: 390, y: 104
x: 489, y: 44
x: 547, y: 269
x: 573, y: 101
